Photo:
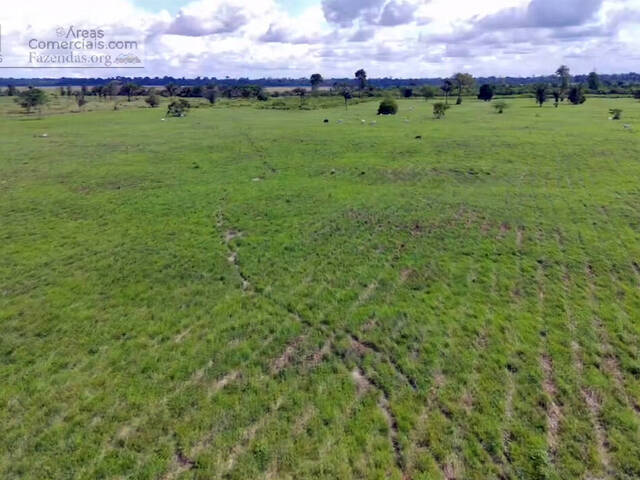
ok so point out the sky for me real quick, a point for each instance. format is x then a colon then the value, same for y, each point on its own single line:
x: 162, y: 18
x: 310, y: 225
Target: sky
x: 295, y: 38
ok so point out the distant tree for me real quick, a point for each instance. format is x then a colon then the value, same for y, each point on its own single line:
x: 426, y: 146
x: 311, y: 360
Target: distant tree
x: 636, y: 94
x: 63, y: 92
x: 347, y: 95
x: 576, y: 95
x: 388, y: 106
x: 129, y: 89
x: 178, y: 108
x: 316, y: 79
x: 11, y: 91
x: 462, y: 81
x: 97, y: 91
x: 486, y: 92
x: 427, y: 92
x: 32, y: 98
x: 69, y: 91
x: 447, y: 87
x: 84, y: 90
x: 563, y: 73
x: 172, y: 89
x: 80, y: 100
x: 616, y: 113
x: 440, y: 110
x: 211, y: 93
x: 593, y: 81
x: 300, y: 92
x: 557, y: 95
x: 152, y: 100
x: 262, y: 96
x: 407, y: 92
x: 111, y: 89
x: 541, y: 94
x: 361, y: 77
x: 500, y: 106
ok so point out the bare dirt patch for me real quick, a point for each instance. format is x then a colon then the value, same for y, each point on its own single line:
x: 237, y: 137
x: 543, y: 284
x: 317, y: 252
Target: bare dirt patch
x: 182, y: 335
x: 520, y: 237
x: 367, y: 293
x: 223, y: 382
x: 364, y: 385
x: 593, y: 404
x: 230, y: 235
x: 287, y: 357
x: 554, y: 413
x: 319, y: 355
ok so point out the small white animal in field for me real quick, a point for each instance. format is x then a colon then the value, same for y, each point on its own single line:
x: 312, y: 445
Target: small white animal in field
x: 627, y: 126
x: 44, y: 135
x: 162, y: 119
x: 363, y: 121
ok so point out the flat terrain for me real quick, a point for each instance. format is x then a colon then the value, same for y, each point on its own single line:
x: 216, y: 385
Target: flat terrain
x: 248, y: 293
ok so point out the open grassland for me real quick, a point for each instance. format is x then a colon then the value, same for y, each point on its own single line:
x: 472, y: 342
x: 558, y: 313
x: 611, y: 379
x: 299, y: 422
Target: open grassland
x: 254, y: 294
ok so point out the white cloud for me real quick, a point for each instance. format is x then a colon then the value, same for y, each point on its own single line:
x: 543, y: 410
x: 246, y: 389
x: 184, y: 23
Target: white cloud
x: 336, y: 37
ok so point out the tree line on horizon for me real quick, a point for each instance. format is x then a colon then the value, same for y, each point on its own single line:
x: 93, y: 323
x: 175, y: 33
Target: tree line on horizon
x: 561, y: 86
x: 609, y: 83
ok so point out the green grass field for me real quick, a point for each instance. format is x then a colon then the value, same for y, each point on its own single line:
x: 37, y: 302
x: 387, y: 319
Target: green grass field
x: 248, y: 293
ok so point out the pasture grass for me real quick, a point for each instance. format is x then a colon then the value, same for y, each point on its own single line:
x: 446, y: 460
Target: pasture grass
x: 253, y: 293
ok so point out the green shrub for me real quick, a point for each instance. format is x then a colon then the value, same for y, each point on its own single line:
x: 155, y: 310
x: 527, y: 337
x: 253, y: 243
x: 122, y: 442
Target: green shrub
x: 440, y: 109
x: 178, y: 108
x: 388, y: 106
x: 616, y: 113
x: 279, y: 105
x: 32, y: 98
x: 500, y: 106
x: 152, y: 100
x: 576, y: 96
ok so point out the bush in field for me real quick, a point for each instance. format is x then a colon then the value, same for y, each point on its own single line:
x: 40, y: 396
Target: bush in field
x: 80, y: 100
x: 388, y: 106
x: 262, y: 96
x: 576, y: 95
x: 427, y: 92
x: 500, y: 106
x: 178, y: 108
x: 347, y: 95
x: 486, y: 92
x: 541, y: 94
x: 440, y: 109
x: 32, y: 98
x: 616, y: 113
x: 152, y: 100
x: 211, y: 94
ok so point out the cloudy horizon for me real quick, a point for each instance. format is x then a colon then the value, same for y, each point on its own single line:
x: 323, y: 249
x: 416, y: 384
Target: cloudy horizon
x: 389, y: 38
